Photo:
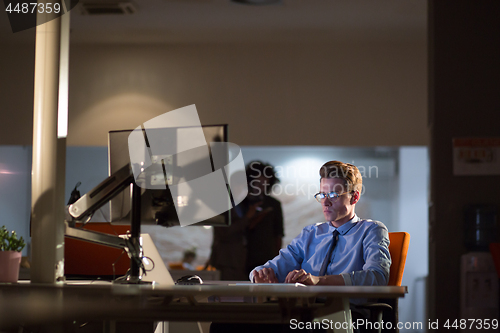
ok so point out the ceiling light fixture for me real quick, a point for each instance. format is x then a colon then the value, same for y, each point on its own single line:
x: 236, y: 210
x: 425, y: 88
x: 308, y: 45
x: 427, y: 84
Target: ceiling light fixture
x: 118, y: 8
x: 258, y: 2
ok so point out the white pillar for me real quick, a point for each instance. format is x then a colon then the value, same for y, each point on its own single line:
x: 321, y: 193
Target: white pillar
x: 47, y: 182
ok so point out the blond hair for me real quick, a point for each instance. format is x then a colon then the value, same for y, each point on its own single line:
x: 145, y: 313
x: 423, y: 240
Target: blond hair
x: 348, y: 172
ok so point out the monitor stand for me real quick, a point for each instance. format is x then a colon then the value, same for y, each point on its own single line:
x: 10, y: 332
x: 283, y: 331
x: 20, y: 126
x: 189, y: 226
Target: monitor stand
x: 135, y: 250
x: 96, y: 198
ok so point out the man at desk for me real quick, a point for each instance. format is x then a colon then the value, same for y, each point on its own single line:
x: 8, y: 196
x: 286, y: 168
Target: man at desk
x: 345, y: 250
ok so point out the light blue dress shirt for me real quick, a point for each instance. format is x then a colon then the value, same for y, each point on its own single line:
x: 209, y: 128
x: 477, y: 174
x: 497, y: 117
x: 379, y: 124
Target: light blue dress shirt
x: 361, y: 255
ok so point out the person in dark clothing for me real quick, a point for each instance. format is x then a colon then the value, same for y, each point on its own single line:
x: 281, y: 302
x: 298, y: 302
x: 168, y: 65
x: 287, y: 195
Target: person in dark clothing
x: 256, y: 230
x: 264, y: 236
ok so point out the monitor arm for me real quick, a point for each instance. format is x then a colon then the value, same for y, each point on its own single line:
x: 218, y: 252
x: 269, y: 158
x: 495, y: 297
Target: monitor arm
x: 102, y: 193
x: 84, y: 207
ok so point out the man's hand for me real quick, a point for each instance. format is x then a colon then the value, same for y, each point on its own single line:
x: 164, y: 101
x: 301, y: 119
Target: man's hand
x: 255, y: 216
x: 265, y: 275
x: 303, y: 277
x: 253, y: 209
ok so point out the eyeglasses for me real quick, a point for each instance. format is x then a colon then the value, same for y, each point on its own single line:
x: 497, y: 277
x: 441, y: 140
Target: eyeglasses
x: 332, y: 196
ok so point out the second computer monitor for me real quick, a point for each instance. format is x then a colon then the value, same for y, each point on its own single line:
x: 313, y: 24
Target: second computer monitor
x: 157, y: 203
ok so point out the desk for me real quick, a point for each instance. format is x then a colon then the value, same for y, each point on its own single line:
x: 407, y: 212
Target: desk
x: 38, y: 305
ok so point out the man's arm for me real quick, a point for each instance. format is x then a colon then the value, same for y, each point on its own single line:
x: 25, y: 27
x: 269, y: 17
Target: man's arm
x: 288, y: 259
x: 303, y: 277
x: 377, y: 260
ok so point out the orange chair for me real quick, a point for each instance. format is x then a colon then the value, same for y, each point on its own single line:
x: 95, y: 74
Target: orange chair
x: 398, y: 248
x: 175, y: 265
x: 388, y: 308
x: 178, y: 265
x: 205, y: 268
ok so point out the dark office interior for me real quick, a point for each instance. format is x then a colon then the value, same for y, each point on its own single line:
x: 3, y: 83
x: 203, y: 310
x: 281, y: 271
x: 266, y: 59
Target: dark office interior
x: 347, y: 74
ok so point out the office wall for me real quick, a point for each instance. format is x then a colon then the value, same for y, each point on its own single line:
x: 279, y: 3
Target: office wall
x: 413, y: 184
x: 17, y: 66
x: 281, y: 92
x: 270, y: 94
x: 463, y: 102
x: 15, y: 190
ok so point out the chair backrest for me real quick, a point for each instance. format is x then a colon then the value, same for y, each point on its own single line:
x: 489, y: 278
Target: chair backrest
x: 398, y: 248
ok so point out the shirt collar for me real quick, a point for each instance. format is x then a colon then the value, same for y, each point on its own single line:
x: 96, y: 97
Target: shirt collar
x: 344, y: 228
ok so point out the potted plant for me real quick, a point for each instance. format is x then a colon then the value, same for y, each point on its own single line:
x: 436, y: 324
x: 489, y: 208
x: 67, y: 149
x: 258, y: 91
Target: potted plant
x: 10, y: 255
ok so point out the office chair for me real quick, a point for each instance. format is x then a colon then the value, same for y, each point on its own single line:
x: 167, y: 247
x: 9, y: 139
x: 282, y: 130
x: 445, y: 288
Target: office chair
x: 388, y: 308
x: 175, y: 265
x: 178, y: 265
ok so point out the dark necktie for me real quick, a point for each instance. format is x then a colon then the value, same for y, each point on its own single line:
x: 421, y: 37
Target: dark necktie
x: 328, y: 257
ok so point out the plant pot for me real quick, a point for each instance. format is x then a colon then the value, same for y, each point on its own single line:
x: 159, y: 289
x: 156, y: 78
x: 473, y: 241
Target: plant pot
x: 10, y: 262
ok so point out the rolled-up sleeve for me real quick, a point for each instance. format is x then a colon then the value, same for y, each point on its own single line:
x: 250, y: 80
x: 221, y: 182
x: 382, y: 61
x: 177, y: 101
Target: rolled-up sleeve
x: 377, y: 260
x: 289, y: 258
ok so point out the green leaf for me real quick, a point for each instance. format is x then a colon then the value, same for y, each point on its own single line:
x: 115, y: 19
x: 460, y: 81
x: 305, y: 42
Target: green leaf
x: 10, y: 242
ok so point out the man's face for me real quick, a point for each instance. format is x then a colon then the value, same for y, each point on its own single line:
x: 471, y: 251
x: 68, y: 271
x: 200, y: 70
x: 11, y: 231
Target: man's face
x: 339, y: 210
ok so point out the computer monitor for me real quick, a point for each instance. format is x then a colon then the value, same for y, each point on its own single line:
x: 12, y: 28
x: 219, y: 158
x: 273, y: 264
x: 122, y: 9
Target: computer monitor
x: 157, y: 204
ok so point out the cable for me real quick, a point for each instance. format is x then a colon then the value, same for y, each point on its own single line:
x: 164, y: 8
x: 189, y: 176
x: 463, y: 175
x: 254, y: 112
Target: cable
x: 113, y: 264
x: 152, y: 261
x: 103, y: 215
x: 138, y: 261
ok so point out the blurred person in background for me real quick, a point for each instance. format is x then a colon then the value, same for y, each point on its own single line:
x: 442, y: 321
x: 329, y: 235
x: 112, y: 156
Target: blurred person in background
x: 264, y: 236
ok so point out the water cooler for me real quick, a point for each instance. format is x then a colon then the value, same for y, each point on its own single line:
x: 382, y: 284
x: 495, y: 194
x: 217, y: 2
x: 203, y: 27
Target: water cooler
x: 479, y: 280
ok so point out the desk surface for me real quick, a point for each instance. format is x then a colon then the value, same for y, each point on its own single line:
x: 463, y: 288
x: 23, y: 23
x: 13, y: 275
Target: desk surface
x: 28, y: 303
